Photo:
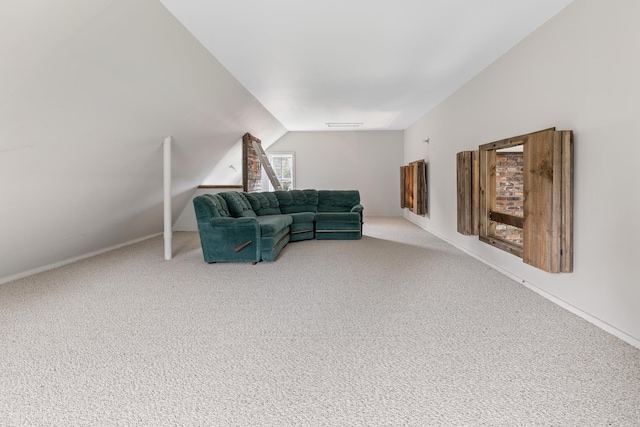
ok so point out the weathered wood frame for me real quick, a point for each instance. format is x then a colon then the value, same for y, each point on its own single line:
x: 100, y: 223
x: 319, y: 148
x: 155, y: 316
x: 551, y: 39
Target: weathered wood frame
x: 548, y: 199
x: 468, y: 193
x: 413, y: 187
x: 406, y: 186
x: 487, y: 194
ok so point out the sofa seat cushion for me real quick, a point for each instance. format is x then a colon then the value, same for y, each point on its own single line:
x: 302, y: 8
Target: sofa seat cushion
x: 238, y: 204
x: 264, y: 203
x: 294, y: 201
x: 271, y: 225
x: 303, y: 217
x: 303, y: 226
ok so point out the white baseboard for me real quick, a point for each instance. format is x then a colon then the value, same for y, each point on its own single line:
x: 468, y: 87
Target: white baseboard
x: 564, y: 304
x: 70, y: 260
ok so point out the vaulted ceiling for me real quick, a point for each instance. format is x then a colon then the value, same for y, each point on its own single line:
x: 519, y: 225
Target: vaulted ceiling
x: 379, y: 64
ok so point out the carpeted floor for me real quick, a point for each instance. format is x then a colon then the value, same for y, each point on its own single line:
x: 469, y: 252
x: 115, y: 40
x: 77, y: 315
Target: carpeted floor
x: 397, y: 329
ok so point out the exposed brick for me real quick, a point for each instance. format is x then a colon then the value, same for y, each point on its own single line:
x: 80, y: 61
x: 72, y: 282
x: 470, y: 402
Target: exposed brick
x: 509, y: 192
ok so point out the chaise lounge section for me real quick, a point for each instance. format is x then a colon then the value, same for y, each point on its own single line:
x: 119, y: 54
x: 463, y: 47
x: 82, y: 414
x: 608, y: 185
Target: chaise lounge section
x: 241, y: 227
x: 339, y: 215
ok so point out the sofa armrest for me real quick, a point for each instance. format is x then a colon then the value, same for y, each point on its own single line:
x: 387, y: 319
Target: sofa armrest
x: 360, y: 209
x: 227, y: 239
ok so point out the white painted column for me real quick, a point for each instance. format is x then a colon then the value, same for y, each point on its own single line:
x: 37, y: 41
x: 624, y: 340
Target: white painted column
x: 167, y: 198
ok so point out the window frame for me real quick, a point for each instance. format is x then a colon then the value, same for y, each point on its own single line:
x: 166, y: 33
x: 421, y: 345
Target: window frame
x: 292, y: 155
x: 489, y: 216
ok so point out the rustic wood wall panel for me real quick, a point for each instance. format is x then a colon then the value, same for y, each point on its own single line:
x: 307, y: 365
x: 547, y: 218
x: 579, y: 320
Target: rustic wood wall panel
x: 548, y: 201
x: 413, y: 187
x: 420, y: 187
x: 404, y: 196
x: 539, y: 205
x: 566, y: 244
x: 468, y: 194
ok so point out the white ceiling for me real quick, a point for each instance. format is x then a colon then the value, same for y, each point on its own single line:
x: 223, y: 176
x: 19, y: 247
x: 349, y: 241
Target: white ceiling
x: 380, y: 63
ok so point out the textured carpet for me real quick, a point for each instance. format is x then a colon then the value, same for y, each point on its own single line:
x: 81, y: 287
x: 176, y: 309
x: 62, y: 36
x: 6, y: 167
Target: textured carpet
x: 397, y: 329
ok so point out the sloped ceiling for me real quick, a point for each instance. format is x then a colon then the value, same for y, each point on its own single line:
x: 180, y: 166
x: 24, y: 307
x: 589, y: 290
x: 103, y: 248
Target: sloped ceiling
x: 383, y: 64
x: 88, y: 92
x: 90, y: 89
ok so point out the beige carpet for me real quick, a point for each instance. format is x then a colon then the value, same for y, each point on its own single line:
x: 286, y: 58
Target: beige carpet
x: 397, y: 329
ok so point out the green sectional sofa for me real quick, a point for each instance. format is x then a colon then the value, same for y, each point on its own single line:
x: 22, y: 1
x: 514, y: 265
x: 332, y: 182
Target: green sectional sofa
x: 237, y: 226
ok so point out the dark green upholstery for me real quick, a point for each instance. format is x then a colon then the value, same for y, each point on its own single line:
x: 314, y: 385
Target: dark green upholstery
x: 337, y: 200
x: 238, y: 204
x: 339, y: 215
x: 294, y: 201
x: 270, y: 225
x: 223, y: 238
x: 338, y: 226
x: 302, y: 206
x: 272, y: 245
x: 231, y: 231
x: 211, y: 205
x: 303, y: 226
x: 265, y: 203
x: 236, y: 226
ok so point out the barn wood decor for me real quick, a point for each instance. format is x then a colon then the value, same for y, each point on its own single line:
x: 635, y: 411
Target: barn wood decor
x: 251, y: 167
x: 546, y: 219
x: 413, y: 187
x: 468, y: 195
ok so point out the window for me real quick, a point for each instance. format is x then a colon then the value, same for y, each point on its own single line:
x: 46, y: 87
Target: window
x: 283, y: 165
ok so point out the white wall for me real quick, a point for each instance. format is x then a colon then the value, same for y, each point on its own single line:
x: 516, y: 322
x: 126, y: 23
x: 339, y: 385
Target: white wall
x: 579, y: 71
x: 368, y: 161
x: 88, y: 92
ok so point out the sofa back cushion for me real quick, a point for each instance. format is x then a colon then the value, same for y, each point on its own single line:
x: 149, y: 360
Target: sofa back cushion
x: 265, y: 203
x: 209, y: 206
x: 337, y: 200
x: 238, y: 204
x: 294, y: 201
